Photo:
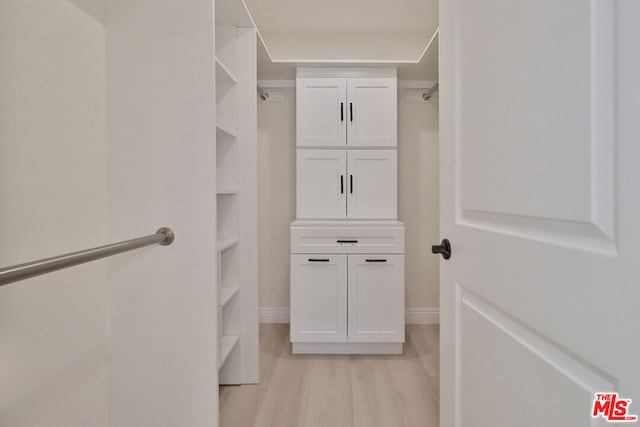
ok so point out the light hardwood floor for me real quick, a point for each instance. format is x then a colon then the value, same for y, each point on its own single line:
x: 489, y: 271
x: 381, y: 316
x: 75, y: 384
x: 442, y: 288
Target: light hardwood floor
x: 338, y: 391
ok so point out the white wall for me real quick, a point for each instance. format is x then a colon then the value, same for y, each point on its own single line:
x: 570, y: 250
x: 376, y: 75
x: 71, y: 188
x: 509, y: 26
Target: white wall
x: 276, y: 199
x: 419, y: 205
x: 418, y: 201
x: 160, y: 105
x: 150, y: 75
x: 53, y: 329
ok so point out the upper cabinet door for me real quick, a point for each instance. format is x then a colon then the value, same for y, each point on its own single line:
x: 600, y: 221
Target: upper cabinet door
x: 372, y: 112
x: 321, y: 184
x: 321, y: 112
x: 372, y: 189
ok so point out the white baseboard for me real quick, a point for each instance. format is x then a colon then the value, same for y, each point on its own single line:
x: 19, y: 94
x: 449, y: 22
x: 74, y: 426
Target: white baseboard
x: 273, y: 314
x: 413, y: 316
x: 422, y: 316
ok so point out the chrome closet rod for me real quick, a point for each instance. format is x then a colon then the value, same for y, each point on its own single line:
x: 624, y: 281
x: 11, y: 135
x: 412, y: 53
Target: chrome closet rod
x: 164, y: 236
x: 429, y: 93
x: 264, y: 95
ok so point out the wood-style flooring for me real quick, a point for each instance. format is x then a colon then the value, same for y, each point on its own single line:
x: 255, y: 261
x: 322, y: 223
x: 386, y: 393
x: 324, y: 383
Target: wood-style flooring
x: 338, y: 391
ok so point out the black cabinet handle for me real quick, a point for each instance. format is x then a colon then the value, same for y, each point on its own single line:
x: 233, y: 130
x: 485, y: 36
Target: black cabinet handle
x: 346, y: 241
x: 342, y: 111
x: 318, y: 260
x: 351, y: 110
x: 341, y: 184
x: 376, y: 260
x: 351, y: 184
x: 443, y: 249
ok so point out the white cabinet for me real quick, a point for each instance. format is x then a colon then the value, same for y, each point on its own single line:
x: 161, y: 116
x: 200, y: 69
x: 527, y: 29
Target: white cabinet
x: 337, y: 184
x: 347, y: 248
x: 338, y: 112
x: 321, y: 183
x: 372, y: 112
x: 337, y: 119
x: 372, y: 184
x: 319, y: 298
x: 341, y: 302
x: 321, y: 112
x: 376, y: 298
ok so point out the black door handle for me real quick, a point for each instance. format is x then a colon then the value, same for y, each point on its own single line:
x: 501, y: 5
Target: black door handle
x: 342, y: 111
x: 443, y: 249
x: 341, y: 184
x: 351, y: 111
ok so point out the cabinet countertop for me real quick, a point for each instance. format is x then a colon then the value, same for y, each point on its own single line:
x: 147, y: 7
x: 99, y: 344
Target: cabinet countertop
x: 346, y: 223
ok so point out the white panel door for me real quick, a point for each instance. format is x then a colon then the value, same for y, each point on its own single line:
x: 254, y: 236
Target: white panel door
x: 321, y: 112
x: 539, y: 187
x: 372, y: 112
x: 321, y: 184
x: 376, y: 298
x: 318, y: 298
x: 372, y: 184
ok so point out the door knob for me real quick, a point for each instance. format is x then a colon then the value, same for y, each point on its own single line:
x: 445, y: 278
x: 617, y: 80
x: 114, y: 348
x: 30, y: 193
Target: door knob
x: 443, y: 249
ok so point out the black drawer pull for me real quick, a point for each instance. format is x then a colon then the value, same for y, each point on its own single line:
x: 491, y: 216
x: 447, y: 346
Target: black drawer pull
x: 346, y: 241
x: 376, y: 260
x: 319, y: 260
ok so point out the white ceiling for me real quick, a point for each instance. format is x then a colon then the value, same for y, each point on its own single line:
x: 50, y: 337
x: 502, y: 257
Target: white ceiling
x: 426, y: 69
x: 360, y: 31
x: 345, y: 16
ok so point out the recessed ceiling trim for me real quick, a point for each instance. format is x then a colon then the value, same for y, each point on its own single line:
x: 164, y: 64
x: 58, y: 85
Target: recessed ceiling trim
x: 423, y: 66
x: 433, y: 41
x: 320, y: 72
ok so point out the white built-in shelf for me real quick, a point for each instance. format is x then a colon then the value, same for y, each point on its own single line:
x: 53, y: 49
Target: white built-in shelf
x: 223, y: 131
x: 227, y: 344
x: 223, y: 75
x: 226, y: 295
x: 235, y: 81
x: 233, y: 12
x: 227, y: 191
x: 223, y: 245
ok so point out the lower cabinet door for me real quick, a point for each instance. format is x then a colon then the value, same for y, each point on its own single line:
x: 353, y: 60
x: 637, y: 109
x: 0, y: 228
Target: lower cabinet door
x: 376, y: 298
x: 318, y: 298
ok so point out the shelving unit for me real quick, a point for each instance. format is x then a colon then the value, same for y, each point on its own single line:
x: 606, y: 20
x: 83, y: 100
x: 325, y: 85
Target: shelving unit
x: 226, y: 244
x: 227, y: 345
x: 236, y: 193
x: 224, y: 133
x: 223, y: 75
x: 227, y: 294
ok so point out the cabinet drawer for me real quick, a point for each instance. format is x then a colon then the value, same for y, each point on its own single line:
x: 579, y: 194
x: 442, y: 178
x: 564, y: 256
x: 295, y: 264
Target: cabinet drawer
x: 345, y: 240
